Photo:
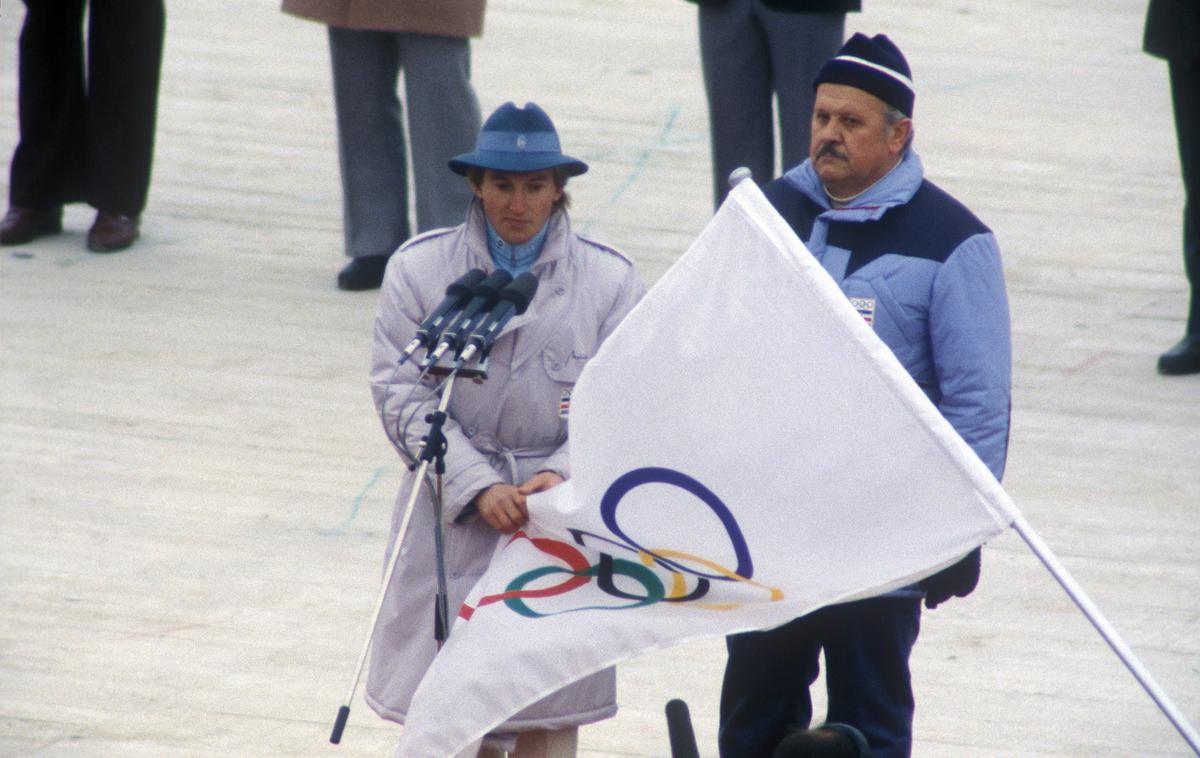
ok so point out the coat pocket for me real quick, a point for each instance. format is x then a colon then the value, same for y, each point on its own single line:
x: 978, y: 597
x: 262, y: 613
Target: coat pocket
x: 564, y: 366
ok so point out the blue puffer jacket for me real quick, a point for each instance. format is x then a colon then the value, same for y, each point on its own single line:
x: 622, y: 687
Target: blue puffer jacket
x: 926, y: 273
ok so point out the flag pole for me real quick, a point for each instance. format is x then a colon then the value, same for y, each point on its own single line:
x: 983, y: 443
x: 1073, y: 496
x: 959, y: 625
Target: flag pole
x: 1106, y: 630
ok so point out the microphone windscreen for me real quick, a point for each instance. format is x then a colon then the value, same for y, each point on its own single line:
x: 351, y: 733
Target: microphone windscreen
x: 521, y: 291
x: 466, y: 284
x: 491, y: 286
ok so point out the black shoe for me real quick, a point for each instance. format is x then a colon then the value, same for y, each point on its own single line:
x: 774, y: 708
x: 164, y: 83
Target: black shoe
x: 1182, y: 359
x: 364, y: 273
x: 21, y: 225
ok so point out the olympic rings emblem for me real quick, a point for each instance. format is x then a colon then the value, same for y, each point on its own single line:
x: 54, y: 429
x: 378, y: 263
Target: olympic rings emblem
x: 688, y: 577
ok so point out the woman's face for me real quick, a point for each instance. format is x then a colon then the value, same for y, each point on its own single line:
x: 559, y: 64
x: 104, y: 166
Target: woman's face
x: 517, y: 205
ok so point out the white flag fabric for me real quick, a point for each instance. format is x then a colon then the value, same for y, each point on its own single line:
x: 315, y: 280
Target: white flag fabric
x: 744, y: 450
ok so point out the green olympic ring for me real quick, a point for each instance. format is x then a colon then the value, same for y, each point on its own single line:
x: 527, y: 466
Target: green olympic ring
x: 603, y: 572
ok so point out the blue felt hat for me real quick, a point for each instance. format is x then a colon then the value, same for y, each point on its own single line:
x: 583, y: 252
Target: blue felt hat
x: 518, y: 140
x: 875, y: 65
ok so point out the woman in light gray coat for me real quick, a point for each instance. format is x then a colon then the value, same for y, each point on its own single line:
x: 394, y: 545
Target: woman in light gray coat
x: 507, y: 436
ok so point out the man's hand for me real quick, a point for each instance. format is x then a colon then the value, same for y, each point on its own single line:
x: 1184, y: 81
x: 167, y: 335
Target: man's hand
x: 503, y: 507
x: 957, y: 580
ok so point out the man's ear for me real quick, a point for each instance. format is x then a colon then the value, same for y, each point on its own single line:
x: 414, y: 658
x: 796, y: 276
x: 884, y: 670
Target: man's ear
x: 901, y: 130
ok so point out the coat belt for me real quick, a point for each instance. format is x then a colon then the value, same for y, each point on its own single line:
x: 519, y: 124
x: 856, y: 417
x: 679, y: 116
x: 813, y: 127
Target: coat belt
x: 501, y: 456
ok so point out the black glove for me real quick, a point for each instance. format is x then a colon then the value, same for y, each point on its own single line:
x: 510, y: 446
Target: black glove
x: 957, y: 580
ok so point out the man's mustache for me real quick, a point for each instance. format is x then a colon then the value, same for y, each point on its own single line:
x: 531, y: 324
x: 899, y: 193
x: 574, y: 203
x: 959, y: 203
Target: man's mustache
x: 830, y: 150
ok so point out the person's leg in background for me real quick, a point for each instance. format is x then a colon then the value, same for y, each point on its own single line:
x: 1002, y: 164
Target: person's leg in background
x: 47, y: 166
x: 125, y: 45
x: 800, y: 43
x: 1184, y: 358
x: 372, y: 151
x: 737, y: 80
x: 443, y: 121
x: 547, y: 743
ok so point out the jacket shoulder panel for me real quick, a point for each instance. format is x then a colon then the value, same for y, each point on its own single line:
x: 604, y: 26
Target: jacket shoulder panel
x: 606, y: 250
x: 797, y: 209
x: 425, y: 237
x: 932, y: 225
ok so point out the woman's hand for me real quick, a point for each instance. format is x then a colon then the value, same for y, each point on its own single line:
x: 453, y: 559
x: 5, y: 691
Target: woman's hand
x: 503, y: 507
x: 540, y: 482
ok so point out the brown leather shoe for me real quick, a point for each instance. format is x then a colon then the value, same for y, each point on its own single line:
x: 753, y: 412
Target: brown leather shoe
x: 112, y: 232
x: 21, y: 225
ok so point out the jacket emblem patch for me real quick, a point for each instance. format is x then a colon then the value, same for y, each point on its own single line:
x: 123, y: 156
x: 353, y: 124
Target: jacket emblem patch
x: 866, y: 308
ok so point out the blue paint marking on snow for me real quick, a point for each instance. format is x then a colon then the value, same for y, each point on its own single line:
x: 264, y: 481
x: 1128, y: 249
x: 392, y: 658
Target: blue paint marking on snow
x: 357, y: 504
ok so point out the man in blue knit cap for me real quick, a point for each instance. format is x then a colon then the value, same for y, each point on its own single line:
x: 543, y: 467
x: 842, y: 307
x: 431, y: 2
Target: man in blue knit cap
x: 925, y: 274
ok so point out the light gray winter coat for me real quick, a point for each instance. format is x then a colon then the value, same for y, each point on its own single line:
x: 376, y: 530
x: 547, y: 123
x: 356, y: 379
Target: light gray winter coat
x: 504, y: 429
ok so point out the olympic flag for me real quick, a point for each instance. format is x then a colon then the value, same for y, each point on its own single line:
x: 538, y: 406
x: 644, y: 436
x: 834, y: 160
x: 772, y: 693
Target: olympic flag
x: 744, y: 450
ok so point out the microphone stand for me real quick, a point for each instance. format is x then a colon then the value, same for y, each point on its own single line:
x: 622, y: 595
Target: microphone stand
x: 432, y: 452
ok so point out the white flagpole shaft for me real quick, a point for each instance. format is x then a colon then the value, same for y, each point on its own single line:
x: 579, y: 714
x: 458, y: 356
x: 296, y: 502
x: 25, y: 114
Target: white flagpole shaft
x: 1106, y: 630
x: 344, y: 711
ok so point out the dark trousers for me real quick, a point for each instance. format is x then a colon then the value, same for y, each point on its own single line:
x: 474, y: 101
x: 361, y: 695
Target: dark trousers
x: 758, y: 61
x: 866, y: 644
x: 87, y: 138
x: 1185, y: 93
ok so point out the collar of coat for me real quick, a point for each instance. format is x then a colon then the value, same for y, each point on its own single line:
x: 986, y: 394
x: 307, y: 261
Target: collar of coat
x: 896, y: 188
x: 475, y: 240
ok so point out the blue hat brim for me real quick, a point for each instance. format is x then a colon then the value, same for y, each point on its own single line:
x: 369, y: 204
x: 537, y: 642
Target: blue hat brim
x: 517, y: 163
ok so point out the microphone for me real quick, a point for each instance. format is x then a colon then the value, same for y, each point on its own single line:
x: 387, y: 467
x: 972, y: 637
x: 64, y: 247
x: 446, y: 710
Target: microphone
x: 483, y: 298
x: 458, y: 294
x: 679, y: 730
x: 512, y: 301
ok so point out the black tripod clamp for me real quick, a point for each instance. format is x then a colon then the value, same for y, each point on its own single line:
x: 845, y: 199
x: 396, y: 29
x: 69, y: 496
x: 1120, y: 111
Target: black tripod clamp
x: 434, y: 449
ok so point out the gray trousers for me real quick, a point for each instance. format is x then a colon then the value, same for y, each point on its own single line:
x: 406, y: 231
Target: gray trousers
x: 442, y: 119
x: 750, y: 53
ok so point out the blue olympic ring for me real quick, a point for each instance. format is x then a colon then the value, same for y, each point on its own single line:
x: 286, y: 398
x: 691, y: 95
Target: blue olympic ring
x: 657, y: 475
